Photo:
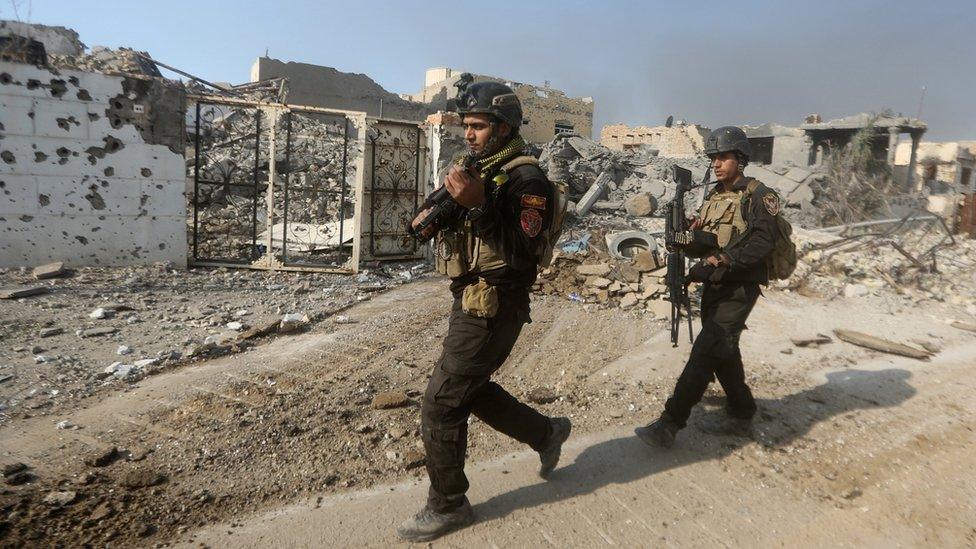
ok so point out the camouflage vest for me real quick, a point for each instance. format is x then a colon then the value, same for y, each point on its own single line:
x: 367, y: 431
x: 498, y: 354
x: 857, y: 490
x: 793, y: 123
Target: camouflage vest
x: 721, y: 214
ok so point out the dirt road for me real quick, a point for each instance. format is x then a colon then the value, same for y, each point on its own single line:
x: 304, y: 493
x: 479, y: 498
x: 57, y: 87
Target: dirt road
x: 280, y: 444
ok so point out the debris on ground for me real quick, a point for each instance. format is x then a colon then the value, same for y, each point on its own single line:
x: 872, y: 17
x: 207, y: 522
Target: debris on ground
x: 880, y: 344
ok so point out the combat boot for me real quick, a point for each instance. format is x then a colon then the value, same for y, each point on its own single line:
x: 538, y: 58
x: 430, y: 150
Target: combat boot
x: 726, y: 426
x: 549, y: 455
x: 429, y: 524
x: 661, y: 432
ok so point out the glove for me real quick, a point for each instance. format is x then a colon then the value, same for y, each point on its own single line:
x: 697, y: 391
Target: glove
x: 700, y: 272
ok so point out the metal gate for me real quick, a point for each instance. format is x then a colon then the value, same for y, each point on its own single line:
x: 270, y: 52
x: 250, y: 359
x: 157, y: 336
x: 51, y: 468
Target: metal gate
x: 275, y: 186
x: 396, y: 155
x: 227, y: 181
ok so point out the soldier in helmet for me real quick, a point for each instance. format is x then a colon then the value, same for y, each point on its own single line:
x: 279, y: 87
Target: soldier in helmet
x: 491, y: 255
x: 740, y: 213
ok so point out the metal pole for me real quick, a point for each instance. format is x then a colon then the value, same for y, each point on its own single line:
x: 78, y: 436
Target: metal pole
x: 284, y: 242
x: 272, y: 174
x: 342, y: 189
x: 196, y: 182
x: 254, y: 199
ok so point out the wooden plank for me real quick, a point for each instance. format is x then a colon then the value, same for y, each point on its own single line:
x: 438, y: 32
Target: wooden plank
x: 881, y: 344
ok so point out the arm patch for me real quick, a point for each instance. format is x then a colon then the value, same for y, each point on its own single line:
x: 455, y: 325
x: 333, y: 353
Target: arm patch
x: 533, y: 201
x: 531, y: 221
x: 771, y: 202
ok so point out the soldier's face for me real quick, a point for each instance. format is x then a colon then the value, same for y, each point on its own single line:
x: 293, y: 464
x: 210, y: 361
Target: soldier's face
x: 477, y: 131
x: 726, y: 167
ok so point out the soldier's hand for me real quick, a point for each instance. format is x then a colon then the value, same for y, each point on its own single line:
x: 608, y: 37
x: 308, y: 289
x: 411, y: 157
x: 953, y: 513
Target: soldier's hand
x: 466, y: 189
x: 430, y: 229
x: 696, y: 223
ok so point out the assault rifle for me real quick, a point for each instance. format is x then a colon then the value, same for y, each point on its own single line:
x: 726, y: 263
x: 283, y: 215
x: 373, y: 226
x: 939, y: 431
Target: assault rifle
x: 675, y: 226
x: 444, y: 210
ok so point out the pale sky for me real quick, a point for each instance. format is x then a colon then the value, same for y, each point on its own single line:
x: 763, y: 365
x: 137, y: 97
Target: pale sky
x: 715, y: 63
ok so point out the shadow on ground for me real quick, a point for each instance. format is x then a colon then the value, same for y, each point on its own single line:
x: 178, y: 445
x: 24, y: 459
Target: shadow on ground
x: 781, y: 421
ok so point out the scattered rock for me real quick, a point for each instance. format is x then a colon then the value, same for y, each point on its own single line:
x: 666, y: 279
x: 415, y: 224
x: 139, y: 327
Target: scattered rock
x: 17, y: 293
x: 413, y: 459
x: 390, y: 399
x: 641, y: 205
x: 97, y: 332
x: 235, y: 325
x: 49, y: 332
x: 292, y: 321
x: 17, y: 479
x: 60, y: 499
x: 814, y: 341
x: 142, y: 478
x: 123, y: 350
x: 102, y: 457
x: 101, y: 313
x: 855, y: 290
x: 628, y: 300
x: 363, y: 429
x: 51, y: 270
x: 542, y: 395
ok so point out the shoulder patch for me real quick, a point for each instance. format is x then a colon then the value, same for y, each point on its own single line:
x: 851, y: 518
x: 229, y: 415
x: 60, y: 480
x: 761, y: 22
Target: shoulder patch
x: 771, y: 202
x: 533, y: 201
x: 531, y: 221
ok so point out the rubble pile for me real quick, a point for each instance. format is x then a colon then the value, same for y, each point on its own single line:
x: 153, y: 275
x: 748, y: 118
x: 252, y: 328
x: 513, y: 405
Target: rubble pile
x: 580, y: 162
x: 585, y: 271
x: 918, y: 262
x: 108, y: 61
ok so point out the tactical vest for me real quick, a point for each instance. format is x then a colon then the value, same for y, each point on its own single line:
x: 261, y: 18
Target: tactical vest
x: 460, y: 252
x: 721, y: 214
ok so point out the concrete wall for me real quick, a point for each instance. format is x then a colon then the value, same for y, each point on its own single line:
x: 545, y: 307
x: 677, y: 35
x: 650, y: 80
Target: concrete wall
x: 91, y: 169
x: 542, y: 107
x: 56, y: 40
x: 681, y: 140
x: 950, y: 162
x: 318, y: 86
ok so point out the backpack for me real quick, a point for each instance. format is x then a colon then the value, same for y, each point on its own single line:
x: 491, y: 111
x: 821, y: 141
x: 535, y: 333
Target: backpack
x: 782, y: 262
x: 560, y: 196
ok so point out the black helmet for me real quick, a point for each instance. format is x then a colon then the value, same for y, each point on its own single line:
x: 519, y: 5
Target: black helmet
x: 726, y: 139
x: 491, y: 98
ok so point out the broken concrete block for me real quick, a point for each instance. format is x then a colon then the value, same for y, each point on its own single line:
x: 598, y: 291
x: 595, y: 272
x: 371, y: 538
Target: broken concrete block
x: 17, y: 293
x: 616, y: 286
x: 628, y: 300
x: 596, y: 191
x: 292, y: 321
x: 51, y: 270
x: 646, y: 261
x: 599, y: 282
x: 629, y: 273
x: 881, y: 344
x: 594, y: 269
x: 641, y: 205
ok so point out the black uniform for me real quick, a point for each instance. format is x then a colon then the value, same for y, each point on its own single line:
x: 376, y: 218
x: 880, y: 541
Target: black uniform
x: 728, y: 297
x: 513, y: 220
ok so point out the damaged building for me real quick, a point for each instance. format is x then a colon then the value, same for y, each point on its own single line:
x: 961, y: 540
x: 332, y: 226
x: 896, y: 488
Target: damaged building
x: 678, y: 140
x: 92, y: 163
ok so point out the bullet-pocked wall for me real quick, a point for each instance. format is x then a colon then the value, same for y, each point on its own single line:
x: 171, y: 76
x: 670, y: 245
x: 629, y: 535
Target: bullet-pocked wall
x: 91, y: 168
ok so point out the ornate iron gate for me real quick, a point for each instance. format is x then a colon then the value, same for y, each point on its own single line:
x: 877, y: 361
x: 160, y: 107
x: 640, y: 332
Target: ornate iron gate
x: 395, y: 187
x: 227, y: 181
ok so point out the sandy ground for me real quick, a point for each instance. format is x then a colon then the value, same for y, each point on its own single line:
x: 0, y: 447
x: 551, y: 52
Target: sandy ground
x: 279, y: 444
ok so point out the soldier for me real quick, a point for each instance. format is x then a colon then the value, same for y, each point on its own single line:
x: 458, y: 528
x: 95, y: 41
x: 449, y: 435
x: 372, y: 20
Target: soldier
x: 740, y: 212
x: 491, y: 255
